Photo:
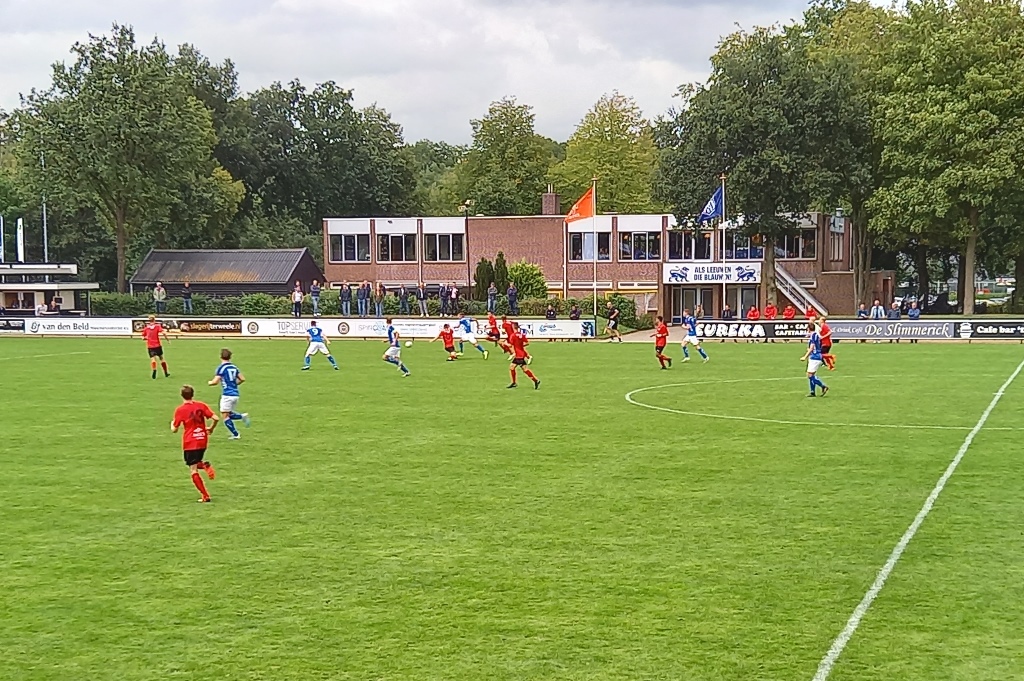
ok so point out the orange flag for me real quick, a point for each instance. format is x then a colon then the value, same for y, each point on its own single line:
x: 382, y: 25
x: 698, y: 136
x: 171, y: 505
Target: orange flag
x: 584, y: 208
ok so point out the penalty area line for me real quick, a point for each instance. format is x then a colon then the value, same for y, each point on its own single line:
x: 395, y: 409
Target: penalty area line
x: 53, y: 354
x: 829, y: 661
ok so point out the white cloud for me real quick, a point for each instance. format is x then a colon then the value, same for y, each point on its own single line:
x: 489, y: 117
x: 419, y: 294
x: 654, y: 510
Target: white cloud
x: 435, y: 64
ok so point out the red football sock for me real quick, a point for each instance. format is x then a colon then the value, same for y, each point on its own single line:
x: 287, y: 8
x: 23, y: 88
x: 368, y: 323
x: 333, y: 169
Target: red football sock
x: 513, y: 372
x: 661, y: 361
x: 163, y: 365
x: 198, y: 482
x: 152, y: 364
x: 530, y: 374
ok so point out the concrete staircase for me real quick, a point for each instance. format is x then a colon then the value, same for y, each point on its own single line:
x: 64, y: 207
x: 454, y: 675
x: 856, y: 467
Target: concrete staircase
x: 792, y: 289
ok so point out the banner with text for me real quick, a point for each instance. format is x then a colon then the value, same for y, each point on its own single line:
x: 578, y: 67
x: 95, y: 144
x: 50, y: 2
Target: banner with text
x: 89, y: 326
x: 842, y: 329
x: 198, y: 327
x: 12, y: 325
x: 697, y: 272
x: 407, y: 328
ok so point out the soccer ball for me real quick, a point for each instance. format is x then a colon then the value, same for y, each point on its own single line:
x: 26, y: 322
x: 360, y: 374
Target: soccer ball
x: 408, y: 344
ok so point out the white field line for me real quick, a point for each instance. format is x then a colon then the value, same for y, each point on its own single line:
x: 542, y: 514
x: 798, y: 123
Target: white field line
x: 54, y: 354
x: 755, y: 419
x: 829, y: 661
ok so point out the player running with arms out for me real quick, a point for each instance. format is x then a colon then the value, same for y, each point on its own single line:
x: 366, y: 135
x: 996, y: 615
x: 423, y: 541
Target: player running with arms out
x: 691, y: 337
x: 393, y: 355
x: 318, y: 342
x: 468, y: 336
x: 229, y: 378
x: 660, y: 337
x: 826, y: 344
x: 152, y: 332
x: 447, y: 336
x: 813, y: 358
x: 520, y: 357
x: 195, y: 437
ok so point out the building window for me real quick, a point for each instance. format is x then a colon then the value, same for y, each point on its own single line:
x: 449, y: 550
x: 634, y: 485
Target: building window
x: 581, y: 246
x: 689, y: 245
x: 800, y: 246
x: 396, y: 248
x: 639, y: 245
x: 741, y: 247
x: 443, y: 248
x: 835, y: 243
x: 350, y: 247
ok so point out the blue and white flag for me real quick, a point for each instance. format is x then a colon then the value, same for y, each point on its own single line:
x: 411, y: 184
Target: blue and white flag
x: 713, y: 208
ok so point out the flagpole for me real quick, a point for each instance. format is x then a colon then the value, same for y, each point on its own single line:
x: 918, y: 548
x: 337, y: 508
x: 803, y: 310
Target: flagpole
x: 593, y: 224
x: 1, y: 238
x: 725, y: 293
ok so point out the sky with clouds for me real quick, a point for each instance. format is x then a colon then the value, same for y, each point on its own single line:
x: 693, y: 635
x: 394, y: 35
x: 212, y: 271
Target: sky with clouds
x: 434, y: 64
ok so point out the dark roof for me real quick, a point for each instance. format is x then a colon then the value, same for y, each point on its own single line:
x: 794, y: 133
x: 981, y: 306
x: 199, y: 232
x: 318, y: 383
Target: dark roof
x: 250, y: 266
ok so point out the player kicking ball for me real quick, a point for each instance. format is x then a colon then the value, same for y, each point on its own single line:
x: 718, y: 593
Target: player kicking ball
x: 195, y: 438
x: 519, y: 342
x: 152, y: 332
x: 393, y: 355
x: 447, y: 336
x: 468, y: 336
x: 317, y: 343
x: 229, y: 378
x: 813, y: 357
x: 660, y: 337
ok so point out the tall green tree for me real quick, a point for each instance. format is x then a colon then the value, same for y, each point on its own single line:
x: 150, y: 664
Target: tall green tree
x: 758, y: 119
x: 953, y: 124
x: 847, y: 46
x: 615, y: 144
x: 319, y: 156
x: 505, y: 171
x: 501, y: 273
x: 482, y: 279
x: 121, y: 132
x: 433, y: 165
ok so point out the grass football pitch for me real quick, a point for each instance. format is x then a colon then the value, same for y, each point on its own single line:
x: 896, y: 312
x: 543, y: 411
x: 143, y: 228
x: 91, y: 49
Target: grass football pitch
x: 443, y: 527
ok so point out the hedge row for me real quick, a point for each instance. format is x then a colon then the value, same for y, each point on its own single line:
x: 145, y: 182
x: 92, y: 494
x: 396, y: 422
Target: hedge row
x: 265, y: 305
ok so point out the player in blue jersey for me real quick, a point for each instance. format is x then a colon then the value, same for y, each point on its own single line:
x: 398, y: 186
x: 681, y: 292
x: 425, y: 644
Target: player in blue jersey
x: 393, y: 355
x: 691, y: 337
x: 813, y: 357
x: 317, y: 343
x: 229, y: 378
x: 465, y: 326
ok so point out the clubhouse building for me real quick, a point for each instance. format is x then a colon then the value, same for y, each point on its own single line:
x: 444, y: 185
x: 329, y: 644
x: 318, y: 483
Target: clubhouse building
x: 649, y: 257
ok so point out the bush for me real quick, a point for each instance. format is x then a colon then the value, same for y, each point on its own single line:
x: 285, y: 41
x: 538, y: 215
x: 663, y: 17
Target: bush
x: 121, y: 304
x: 265, y: 305
x: 529, y: 280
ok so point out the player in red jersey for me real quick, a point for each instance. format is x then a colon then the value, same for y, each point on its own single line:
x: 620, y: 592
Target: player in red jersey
x: 506, y: 346
x: 660, y: 337
x: 521, y: 358
x: 493, y: 333
x: 193, y: 416
x: 826, y: 344
x: 152, y: 332
x: 447, y: 336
